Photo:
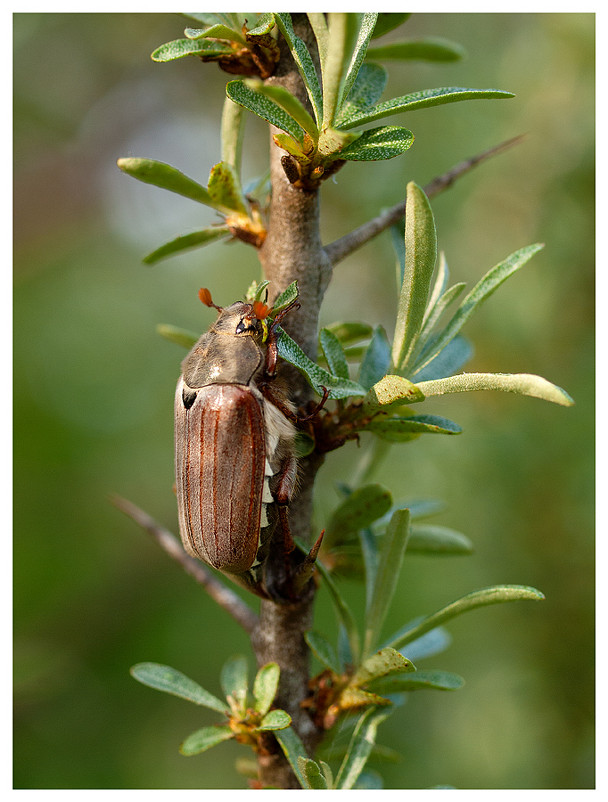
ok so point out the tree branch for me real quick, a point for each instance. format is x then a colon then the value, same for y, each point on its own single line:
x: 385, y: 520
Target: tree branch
x: 343, y: 247
x: 225, y: 597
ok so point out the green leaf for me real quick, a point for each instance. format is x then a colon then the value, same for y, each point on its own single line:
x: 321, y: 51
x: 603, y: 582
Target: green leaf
x: 343, y: 612
x: 275, y: 720
x: 402, y: 429
x: 433, y: 315
x: 480, y: 292
x: 333, y: 142
x: 391, y: 557
x: 479, y: 598
x: 350, y: 332
x: 234, y: 682
x: 169, y: 680
x: 287, y: 297
x: 205, y: 48
x: 377, y: 359
x: 428, y: 645
x: 319, y: 378
x: 232, y: 134
x: 520, y: 383
x: 420, y: 258
x: 366, y: 31
x: 194, y: 240
x: 383, y: 663
x: 428, y: 49
x: 392, y: 391
x: 215, y: 32
x: 204, y: 739
x: 334, y: 353
x: 224, y: 188
x: 293, y: 748
x: 424, y: 679
x: 371, y: 560
x: 264, y: 24
x: 366, y: 91
x: 422, y: 100
x: 304, y: 63
x: 388, y: 22
x: 166, y: 177
x: 447, y: 362
x: 359, y: 748
x: 376, y: 144
x: 360, y: 509
x: 288, y: 102
x: 264, y: 107
x: 433, y: 539
x: 323, y: 650
x: 176, y: 335
x: 343, y: 33
x: 312, y: 773
x: 265, y: 687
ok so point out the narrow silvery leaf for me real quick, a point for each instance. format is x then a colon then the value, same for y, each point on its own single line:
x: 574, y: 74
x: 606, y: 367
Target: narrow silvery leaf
x: 402, y: 428
x: 232, y: 134
x: 289, y: 103
x: 433, y: 539
x: 366, y: 30
x: 420, y: 257
x: 204, y: 739
x: 343, y: 34
x: 234, y: 682
x: 334, y: 353
x: 264, y: 107
x: 520, y: 383
x: 429, y: 49
x: 377, y: 359
x: 215, y: 32
x: 186, y: 241
x: 167, y: 679
x: 304, y: 63
x: 398, y: 243
x: 265, y: 687
x: 389, y: 567
x: 479, y: 598
x: 174, y: 334
x: 378, y: 144
x: 348, y: 332
x: 323, y: 650
x: 318, y: 377
x: 165, y: 176
x: 422, y: 100
x: 480, y: 292
x: 371, y: 559
x: 424, y: 679
x: 436, y: 310
x: 288, y: 295
x: 205, y: 48
x: 293, y: 748
x: 263, y: 25
x: 360, y: 746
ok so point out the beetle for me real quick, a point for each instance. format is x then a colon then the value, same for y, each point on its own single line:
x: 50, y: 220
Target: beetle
x: 234, y: 443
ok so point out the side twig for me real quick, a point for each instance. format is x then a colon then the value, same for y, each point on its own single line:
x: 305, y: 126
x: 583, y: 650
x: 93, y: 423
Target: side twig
x: 225, y: 597
x: 343, y: 247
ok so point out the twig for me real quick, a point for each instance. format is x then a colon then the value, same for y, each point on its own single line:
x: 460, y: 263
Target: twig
x: 225, y: 597
x: 343, y: 247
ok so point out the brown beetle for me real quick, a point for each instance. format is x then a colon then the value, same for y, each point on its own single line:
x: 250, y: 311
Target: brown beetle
x: 234, y: 443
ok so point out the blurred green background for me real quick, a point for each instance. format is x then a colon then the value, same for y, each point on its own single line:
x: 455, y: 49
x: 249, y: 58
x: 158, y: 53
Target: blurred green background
x: 93, y: 391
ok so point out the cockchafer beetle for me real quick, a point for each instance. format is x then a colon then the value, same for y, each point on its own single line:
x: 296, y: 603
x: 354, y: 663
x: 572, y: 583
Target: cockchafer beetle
x: 234, y: 444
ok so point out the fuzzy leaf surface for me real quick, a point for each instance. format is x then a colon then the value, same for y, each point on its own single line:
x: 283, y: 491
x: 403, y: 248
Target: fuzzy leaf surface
x: 304, y: 63
x: 265, y: 687
x: 251, y: 99
x: 428, y: 49
x: 520, y: 383
x: 293, y: 748
x: 275, y: 720
x: 433, y: 539
x: 234, y: 681
x: 422, y: 100
x: 359, y: 748
x: 383, y: 663
x: 402, y: 429
x: 323, y: 650
x: 360, y: 509
x: 313, y: 774
x: 334, y: 353
x: 377, y: 359
x: 179, y: 48
x: 377, y: 144
x: 424, y: 679
x: 183, y: 243
x: 204, y: 739
x: 170, y: 680
x: 165, y: 176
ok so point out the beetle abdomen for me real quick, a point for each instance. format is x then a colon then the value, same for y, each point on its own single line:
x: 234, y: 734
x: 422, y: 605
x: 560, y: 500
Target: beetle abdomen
x: 220, y: 457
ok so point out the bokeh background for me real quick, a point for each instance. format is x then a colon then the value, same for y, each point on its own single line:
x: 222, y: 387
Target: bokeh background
x: 93, y: 391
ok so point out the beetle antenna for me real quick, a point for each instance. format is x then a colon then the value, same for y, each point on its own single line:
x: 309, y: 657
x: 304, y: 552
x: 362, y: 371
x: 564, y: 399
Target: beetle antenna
x: 205, y: 296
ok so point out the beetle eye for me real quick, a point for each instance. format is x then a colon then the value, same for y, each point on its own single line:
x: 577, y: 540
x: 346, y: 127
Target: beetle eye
x: 246, y: 324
